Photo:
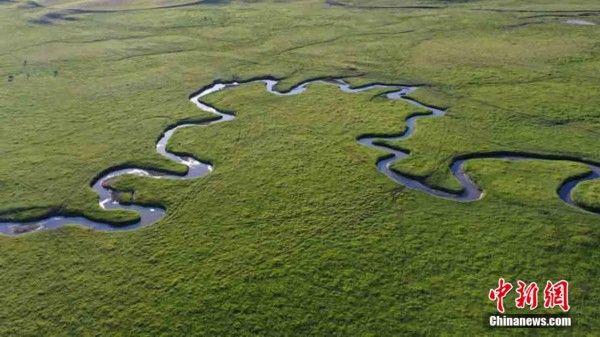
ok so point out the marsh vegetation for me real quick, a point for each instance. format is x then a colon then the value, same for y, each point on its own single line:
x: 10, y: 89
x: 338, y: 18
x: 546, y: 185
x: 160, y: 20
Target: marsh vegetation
x: 294, y: 232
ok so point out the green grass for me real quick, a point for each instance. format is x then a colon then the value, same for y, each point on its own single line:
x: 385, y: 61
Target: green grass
x: 587, y: 194
x: 295, y: 232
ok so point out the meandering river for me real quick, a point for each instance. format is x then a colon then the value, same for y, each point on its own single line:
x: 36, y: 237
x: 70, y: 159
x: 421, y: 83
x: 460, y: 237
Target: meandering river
x: 196, y: 169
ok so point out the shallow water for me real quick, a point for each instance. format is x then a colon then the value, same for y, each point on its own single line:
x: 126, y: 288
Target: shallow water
x: 579, y: 22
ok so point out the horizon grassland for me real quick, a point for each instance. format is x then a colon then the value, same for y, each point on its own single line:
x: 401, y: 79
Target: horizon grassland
x: 295, y: 232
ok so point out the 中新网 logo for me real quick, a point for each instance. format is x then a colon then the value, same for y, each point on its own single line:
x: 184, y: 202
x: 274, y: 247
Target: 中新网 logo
x: 555, y: 295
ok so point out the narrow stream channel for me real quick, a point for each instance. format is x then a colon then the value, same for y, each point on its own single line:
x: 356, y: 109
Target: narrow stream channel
x: 197, y: 169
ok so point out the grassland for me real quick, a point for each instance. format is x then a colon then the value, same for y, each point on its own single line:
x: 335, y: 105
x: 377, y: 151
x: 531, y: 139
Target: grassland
x: 295, y: 232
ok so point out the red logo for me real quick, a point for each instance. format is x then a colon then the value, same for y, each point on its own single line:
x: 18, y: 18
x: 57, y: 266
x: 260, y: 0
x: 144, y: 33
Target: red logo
x: 555, y: 294
x: 528, y: 295
x: 499, y: 293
